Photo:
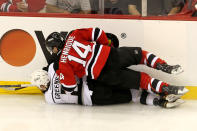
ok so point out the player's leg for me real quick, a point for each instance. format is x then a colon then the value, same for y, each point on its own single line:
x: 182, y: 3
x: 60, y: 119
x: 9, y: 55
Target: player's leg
x: 130, y: 79
x: 135, y: 55
x: 153, y: 85
x: 113, y: 74
x: 146, y: 98
x: 129, y: 56
x: 155, y: 62
x: 105, y: 95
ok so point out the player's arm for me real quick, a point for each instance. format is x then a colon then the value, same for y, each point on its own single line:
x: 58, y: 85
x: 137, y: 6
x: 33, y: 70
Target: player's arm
x: 99, y: 36
x: 53, y: 93
x: 133, y: 10
x: 176, y: 7
x: 50, y: 98
x: 35, y: 5
x: 174, y: 10
x: 6, y: 6
x: 132, y: 7
x: 1, y: 4
x: 85, y: 12
x: 93, y: 34
x: 85, y: 7
x: 51, y: 7
x: 67, y: 78
x: 54, y: 9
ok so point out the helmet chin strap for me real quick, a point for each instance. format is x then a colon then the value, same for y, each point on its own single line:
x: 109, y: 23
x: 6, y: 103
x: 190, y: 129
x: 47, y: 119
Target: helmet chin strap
x: 59, y: 51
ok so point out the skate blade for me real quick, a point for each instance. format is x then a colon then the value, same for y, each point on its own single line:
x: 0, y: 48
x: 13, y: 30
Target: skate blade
x: 177, y: 71
x: 175, y: 103
x: 172, y: 97
x: 182, y: 92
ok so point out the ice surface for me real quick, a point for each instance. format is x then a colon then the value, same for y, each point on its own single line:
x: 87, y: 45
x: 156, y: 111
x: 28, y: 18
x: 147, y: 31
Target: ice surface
x: 31, y: 113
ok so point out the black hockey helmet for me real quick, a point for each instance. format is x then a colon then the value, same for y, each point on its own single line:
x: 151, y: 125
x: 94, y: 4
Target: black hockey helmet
x: 55, y: 39
x: 114, y: 39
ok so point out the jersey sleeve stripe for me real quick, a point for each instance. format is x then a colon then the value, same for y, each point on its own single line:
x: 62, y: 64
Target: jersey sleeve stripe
x: 96, y: 57
x: 53, y: 94
x: 92, y: 60
x: 99, y: 34
x: 86, y: 69
x: 69, y: 86
x: 96, y: 34
x: 93, y: 30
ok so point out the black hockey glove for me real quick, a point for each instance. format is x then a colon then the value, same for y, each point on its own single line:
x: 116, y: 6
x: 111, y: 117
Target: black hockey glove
x: 113, y: 40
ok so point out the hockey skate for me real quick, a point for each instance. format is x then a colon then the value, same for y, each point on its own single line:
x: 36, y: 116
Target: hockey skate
x: 176, y: 90
x: 171, y: 97
x: 174, y: 69
x: 166, y: 104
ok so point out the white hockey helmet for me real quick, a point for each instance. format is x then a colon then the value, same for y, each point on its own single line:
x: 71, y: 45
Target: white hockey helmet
x: 40, y: 77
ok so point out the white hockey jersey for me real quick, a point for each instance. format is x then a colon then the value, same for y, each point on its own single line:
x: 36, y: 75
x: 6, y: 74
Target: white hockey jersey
x: 55, y: 94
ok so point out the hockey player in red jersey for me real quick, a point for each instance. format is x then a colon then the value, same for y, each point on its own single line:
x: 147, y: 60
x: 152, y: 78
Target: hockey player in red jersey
x: 21, y: 5
x: 86, y: 52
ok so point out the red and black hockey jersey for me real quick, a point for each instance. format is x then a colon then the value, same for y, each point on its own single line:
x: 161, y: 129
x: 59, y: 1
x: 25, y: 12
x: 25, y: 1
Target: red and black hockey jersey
x: 85, y: 53
x: 10, y: 5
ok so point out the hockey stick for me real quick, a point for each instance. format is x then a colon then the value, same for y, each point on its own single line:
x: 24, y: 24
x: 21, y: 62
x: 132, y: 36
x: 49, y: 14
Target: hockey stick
x: 15, y: 87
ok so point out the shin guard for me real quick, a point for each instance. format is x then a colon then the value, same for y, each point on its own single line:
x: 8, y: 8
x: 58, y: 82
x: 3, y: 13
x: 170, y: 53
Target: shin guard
x: 152, y: 85
x: 150, y: 59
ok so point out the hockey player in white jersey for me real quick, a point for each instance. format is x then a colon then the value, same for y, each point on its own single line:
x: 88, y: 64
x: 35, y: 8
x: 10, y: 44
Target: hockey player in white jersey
x: 48, y: 83
x: 94, y: 93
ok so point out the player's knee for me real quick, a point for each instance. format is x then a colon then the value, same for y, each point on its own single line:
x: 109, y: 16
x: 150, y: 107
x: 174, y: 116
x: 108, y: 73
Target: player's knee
x: 137, y: 51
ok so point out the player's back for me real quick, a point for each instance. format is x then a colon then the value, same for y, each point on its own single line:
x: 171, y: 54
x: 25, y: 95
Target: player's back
x: 81, y: 56
x: 76, y: 53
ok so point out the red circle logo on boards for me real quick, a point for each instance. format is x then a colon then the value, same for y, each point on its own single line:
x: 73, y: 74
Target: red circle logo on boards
x: 17, y: 47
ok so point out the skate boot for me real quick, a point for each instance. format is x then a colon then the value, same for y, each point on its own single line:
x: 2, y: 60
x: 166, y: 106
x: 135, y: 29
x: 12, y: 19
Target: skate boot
x: 166, y: 104
x: 174, y: 69
x: 171, y: 97
x: 176, y: 90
